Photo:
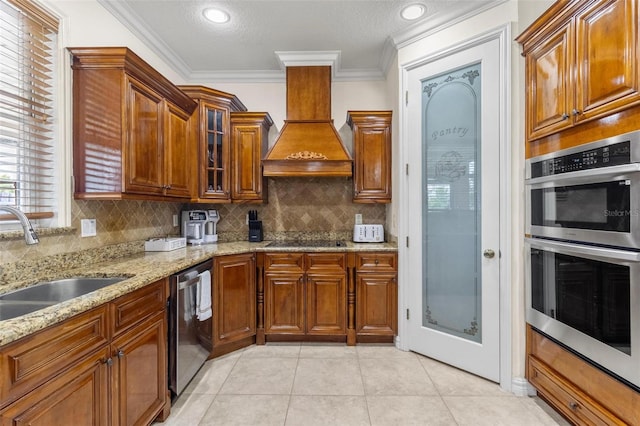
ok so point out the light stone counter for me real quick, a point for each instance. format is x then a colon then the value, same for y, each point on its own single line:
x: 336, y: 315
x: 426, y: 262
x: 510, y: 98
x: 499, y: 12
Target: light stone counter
x: 143, y: 269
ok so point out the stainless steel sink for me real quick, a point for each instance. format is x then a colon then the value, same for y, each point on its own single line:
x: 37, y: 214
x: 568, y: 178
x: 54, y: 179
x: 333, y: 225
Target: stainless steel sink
x: 16, y: 308
x: 41, y: 295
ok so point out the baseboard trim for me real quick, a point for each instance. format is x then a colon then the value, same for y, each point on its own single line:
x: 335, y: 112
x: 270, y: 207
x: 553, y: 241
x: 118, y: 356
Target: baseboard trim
x: 521, y: 387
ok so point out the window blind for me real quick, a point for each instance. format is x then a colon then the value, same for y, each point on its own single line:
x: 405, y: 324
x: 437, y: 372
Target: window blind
x: 28, y: 52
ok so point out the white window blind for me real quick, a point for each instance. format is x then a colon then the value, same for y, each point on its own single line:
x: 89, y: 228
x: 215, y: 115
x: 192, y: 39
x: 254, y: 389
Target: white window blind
x: 28, y: 53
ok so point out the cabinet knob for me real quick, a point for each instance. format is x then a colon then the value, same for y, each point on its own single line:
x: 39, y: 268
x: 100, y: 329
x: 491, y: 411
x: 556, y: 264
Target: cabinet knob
x: 576, y: 112
x: 120, y: 353
x: 108, y: 361
x: 565, y: 116
x: 376, y: 261
x: 573, y: 405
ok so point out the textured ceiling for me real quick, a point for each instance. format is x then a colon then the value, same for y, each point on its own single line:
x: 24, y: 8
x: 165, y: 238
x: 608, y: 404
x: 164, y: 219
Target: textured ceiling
x: 362, y: 35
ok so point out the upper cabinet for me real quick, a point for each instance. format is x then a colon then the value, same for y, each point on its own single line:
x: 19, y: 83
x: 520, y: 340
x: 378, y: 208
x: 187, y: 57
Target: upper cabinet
x: 249, y: 144
x: 131, y: 129
x: 371, y: 156
x: 581, y: 64
x: 212, y: 134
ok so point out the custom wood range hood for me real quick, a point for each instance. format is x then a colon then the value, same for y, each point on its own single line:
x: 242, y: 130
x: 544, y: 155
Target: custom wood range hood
x: 308, y: 144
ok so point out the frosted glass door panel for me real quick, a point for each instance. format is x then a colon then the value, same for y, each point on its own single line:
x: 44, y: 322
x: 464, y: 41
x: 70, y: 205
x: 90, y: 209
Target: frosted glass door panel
x: 452, y: 287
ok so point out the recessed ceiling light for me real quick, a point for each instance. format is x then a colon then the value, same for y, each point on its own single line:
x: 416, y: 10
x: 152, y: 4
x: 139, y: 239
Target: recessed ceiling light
x: 216, y: 15
x: 412, y: 12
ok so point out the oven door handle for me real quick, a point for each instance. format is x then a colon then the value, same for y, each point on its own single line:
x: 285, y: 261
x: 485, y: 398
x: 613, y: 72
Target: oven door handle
x: 586, y: 176
x: 597, y: 253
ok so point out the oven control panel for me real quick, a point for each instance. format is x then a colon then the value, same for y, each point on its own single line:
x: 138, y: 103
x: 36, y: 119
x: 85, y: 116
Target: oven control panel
x: 594, y: 158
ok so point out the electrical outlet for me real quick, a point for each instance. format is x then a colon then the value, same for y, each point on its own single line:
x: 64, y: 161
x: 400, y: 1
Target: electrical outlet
x: 358, y: 219
x: 247, y: 219
x: 175, y: 220
x: 87, y: 227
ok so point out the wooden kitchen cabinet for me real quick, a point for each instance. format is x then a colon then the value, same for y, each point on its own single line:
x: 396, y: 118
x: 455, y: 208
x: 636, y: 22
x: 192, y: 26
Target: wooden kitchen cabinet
x: 284, y: 301
x: 211, y: 132
x: 371, y: 155
x: 580, y: 391
x: 326, y: 298
x: 581, y: 64
x: 104, y: 366
x: 139, y: 373
x: 139, y: 383
x: 305, y: 296
x: 376, y: 296
x: 249, y: 144
x: 234, y: 301
x: 131, y: 129
x: 77, y: 396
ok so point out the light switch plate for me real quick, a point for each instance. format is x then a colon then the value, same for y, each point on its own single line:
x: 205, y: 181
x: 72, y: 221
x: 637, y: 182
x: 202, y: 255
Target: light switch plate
x: 358, y: 220
x: 87, y: 227
x: 175, y: 220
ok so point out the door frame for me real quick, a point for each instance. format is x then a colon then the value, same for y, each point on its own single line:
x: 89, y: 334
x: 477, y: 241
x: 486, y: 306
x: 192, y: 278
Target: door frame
x: 503, y: 34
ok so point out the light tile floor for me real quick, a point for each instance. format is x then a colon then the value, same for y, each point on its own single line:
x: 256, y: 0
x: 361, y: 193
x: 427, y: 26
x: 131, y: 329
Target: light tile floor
x: 323, y: 384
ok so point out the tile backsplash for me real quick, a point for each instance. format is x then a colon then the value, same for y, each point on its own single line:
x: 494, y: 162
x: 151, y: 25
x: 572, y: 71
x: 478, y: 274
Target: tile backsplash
x: 296, y: 206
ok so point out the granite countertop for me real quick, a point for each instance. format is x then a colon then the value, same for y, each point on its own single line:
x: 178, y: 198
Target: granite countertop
x: 142, y: 269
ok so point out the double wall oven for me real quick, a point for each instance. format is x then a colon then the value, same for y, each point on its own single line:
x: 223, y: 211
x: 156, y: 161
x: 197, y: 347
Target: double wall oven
x: 583, y: 251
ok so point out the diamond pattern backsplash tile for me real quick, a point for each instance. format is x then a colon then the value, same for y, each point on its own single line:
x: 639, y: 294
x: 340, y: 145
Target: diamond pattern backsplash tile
x: 300, y: 205
x: 297, y: 207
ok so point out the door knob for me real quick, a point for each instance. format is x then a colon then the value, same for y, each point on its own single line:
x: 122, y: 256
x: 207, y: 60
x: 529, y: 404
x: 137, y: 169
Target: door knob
x: 489, y: 254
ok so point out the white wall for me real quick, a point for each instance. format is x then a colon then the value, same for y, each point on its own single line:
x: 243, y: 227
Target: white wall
x: 345, y: 96
x: 86, y: 23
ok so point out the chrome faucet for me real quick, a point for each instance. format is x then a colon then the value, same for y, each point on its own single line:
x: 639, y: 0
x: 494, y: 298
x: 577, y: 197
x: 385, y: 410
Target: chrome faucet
x: 30, y: 236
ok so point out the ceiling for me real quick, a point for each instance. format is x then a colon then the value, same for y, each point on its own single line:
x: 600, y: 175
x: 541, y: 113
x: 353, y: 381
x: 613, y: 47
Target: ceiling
x: 359, y: 38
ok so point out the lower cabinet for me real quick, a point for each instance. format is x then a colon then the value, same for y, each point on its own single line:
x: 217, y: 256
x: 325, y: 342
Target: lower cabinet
x: 376, y: 297
x: 583, y: 393
x: 77, y: 396
x: 106, y: 366
x: 305, y: 296
x: 234, y: 299
x: 348, y: 297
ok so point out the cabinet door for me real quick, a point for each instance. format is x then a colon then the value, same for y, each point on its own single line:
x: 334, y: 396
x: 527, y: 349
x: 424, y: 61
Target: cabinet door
x: 77, y: 396
x: 326, y: 303
x: 550, y: 83
x: 376, y: 304
x: 139, y: 390
x: 144, y: 160
x: 606, y: 58
x: 178, y: 153
x: 249, y: 142
x: 284, y: 303
x: 372, y: 158
x: 235, y: 298
x: 214, y: 153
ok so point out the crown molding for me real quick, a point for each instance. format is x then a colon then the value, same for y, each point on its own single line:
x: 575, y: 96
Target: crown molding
x: 132, y: 21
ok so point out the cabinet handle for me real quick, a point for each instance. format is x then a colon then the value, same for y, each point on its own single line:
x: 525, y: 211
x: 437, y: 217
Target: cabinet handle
x: 565, y: 116
x: 120, y: 353
x: 573, y: 405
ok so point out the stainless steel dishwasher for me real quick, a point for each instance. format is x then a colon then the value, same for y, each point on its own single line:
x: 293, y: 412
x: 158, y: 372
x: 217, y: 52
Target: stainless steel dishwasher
x: 188, y: 350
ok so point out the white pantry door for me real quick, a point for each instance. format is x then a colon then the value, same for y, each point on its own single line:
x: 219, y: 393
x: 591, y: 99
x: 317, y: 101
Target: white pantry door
x: 453, y: 119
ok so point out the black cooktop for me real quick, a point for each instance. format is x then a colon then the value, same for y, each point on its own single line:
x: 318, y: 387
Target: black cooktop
x: 309, y: 243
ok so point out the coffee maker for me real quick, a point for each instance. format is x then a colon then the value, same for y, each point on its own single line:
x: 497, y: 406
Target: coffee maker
x: 199, y: 226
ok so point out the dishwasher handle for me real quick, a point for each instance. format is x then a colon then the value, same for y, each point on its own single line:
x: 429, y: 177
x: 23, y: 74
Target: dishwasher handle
x: 184, y: 284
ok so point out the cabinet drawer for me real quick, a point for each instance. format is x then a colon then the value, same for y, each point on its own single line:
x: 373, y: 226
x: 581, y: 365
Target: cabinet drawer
x: 135, y: 307
x: 376, y: 262
x: 326, y: 262
x: 290, y: 262
x: 566, y: 398
x: 30, y: 361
